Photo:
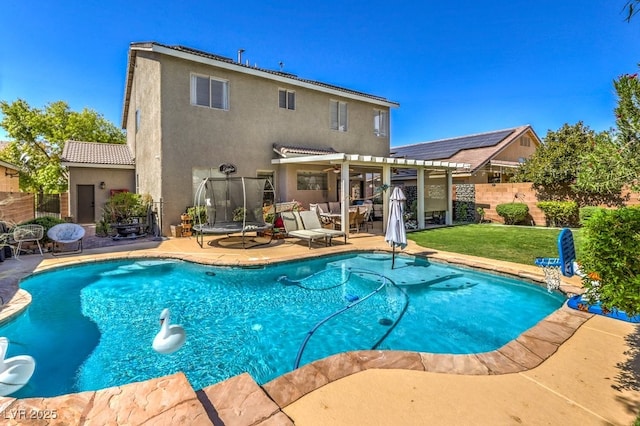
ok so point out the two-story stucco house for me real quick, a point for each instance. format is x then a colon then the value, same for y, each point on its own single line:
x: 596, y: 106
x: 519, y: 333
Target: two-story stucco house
x: 186, y: 112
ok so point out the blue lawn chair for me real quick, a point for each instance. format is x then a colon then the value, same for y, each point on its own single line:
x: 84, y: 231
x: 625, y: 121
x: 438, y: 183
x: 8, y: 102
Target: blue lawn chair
x: 553, y: 266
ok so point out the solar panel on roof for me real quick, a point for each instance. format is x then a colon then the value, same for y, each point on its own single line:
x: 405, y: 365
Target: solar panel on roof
x: 449, y: 147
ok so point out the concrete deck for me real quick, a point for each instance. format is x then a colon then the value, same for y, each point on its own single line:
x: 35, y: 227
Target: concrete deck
x: 571, y: 368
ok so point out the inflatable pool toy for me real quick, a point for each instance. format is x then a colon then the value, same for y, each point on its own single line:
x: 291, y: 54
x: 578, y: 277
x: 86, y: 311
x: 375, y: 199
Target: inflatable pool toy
x: 577, y: 303
x: 16, y: 371
x: 170, y: 338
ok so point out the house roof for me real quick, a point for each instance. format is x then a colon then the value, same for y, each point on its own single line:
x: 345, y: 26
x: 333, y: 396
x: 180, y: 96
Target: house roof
x: 95, y: 154
x: 290, y: 151
x: 3, y: 146
x: 476, y: 150
x: 228, y: 63
x: 8, y: 165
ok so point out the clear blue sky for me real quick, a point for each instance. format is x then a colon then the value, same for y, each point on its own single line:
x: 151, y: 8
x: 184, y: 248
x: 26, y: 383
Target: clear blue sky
x: 456, y: 68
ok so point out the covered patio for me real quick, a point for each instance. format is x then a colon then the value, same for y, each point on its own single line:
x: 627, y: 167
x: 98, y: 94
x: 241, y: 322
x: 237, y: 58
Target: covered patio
x: 348, y: 165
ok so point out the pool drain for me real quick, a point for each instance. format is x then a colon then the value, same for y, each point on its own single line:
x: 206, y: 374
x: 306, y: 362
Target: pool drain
x: 385, y: 321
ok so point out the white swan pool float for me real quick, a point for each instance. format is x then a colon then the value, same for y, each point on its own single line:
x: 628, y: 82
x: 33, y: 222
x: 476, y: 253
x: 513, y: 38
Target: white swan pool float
x: 16, y: 371
x: 170, y: 338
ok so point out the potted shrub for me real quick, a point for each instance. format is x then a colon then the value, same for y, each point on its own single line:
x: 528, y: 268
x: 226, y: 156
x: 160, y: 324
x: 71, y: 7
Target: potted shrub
x: 126, y: 212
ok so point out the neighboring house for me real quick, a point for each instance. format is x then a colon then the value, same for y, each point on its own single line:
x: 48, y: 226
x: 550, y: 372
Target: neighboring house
x: 187, y: 112
x: 9, y: 177
x: 492, y: 156
x: 96, y: 170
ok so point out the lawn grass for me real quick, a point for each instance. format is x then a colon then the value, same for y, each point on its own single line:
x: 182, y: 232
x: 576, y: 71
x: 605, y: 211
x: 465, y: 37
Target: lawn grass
x: 519, y: 244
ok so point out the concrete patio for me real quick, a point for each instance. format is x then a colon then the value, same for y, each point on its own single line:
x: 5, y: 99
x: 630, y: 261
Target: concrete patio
x: 571, y: 369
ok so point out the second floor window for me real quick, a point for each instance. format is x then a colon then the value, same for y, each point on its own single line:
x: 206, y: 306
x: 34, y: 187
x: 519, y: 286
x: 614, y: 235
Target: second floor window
x: 380, y: 122
x: 338, y: 112
x: 287, y: 99
x: 209, y: 92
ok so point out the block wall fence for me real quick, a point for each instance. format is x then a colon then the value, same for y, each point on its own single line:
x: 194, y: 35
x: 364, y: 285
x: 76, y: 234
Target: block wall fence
x: 488, y: 196
x: 16, y: 207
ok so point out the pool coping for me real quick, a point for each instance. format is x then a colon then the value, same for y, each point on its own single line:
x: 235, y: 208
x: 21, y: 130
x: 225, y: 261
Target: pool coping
x: 240, y: 400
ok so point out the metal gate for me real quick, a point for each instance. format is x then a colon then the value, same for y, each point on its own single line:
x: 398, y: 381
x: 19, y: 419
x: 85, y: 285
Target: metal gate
x: 47, y: 205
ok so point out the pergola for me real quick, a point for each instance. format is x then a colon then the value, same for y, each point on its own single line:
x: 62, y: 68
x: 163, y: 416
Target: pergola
x: 387, y: 164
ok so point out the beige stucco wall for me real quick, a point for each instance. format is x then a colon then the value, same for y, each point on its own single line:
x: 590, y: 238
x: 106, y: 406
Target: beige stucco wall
x: 8, y: 182
x: 113, y: 179
x: 515, y: 151
x: 175, y: 137
x: 145, y: 142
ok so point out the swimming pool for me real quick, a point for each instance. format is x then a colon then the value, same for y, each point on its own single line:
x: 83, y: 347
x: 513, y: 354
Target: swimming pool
x: 91, y: 326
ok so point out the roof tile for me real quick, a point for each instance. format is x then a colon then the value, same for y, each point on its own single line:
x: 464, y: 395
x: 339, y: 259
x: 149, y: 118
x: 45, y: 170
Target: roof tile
x: 97, y: 153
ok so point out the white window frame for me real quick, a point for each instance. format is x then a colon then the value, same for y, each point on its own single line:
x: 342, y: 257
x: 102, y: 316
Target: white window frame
x: 380, y: 122
x: 338, y: 115
x: 211, y: 104
x: 288, y: 95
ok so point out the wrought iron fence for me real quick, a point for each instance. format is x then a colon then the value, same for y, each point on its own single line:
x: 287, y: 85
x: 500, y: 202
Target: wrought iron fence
x: 47, y: 205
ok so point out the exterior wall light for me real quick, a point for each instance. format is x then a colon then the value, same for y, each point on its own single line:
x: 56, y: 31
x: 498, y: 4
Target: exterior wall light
x: 102, y: 185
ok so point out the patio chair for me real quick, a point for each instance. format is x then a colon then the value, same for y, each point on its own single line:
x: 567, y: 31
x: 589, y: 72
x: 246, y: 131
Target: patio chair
x: 25, y: 234
x: 311, y: 222
x: 353, y: 213
x: 365, y: 217
x: 65, y: 234
x: 294, y: 228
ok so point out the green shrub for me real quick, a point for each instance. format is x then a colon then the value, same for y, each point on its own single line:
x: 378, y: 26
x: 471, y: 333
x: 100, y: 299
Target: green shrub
x: 610, y: 252
x: 47, y: 223
x: 124, y: 206
x: 559, y: 213
x: 198, y: 214
x: 586, y: 212
x: 513, y: 213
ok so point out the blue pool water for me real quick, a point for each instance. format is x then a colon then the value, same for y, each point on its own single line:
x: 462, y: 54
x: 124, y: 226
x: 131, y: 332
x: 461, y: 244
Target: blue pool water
x: 91, y: 326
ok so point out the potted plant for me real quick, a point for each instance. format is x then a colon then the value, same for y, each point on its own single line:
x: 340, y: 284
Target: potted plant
x: 126, y: 212
x: 239, y: 214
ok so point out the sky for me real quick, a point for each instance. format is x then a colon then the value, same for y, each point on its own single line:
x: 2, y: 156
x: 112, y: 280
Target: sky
x: 455, y: 68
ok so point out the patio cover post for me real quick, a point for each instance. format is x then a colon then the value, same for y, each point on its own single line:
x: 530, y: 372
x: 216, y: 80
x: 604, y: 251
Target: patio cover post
x: 386, y: 180
x: 420, y: 206
x: 449, y: 215
x: 344, y: 197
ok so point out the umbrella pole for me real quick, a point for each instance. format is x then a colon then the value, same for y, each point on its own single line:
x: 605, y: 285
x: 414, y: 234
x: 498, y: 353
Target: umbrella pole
x: 393, y: 255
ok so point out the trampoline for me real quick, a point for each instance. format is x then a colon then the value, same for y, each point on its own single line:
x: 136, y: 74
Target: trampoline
x: 231, y: 205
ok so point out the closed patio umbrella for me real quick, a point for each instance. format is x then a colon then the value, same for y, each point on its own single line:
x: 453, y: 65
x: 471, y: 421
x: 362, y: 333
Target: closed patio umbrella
x: 396, y: 235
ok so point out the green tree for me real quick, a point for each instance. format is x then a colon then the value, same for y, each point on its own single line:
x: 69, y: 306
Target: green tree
x: 614, y: 163
x: 628, y: 122
x: 556, y: 165
x: 39, y: 136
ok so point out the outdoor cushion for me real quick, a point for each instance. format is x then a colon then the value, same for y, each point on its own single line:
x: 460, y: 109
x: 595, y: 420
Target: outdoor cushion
x: 324, y: 207
x: 66, y: 233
